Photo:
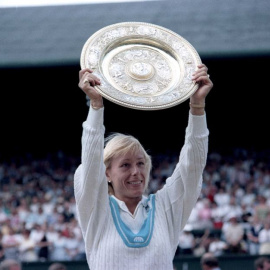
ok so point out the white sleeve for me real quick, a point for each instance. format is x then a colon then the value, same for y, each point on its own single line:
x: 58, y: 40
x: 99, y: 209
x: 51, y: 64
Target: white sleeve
x: 181, y: 191
x: 90, y: 184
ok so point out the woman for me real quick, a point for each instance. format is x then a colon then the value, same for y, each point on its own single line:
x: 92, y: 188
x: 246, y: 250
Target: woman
x: 27, y: 248
x: 125, y: 229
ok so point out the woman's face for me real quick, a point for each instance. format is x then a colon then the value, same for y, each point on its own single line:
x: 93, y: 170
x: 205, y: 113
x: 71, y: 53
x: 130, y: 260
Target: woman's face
x: 128, y: 175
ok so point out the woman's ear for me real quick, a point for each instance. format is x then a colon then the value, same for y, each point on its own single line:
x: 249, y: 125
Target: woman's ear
x: 108, y: 175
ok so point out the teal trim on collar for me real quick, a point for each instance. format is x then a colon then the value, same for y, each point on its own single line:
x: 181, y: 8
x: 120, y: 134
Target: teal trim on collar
x: 143, y: 237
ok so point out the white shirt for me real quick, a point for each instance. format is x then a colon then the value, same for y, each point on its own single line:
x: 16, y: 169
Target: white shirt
x: 105, y: 248
x: 186, y: 240
x: 264, y: 236
x: 135, y: 221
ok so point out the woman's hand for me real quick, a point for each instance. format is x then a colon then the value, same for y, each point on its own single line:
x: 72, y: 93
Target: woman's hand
x: 87, y: 82
x: 197, y: 100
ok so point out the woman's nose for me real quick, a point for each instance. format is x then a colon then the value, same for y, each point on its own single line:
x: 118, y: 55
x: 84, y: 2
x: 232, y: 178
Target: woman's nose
x: 134, y: 170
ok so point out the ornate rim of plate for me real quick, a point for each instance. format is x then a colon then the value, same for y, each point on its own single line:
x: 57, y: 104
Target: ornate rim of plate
x: 141, y: 65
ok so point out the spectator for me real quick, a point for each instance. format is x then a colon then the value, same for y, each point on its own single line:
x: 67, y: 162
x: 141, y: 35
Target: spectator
x: 217, y: 215
x: 36, y: 234
x: 204, y: 215
x: 43, y: 252
x: 249, y: 196
x: 41, y: 216
x: 186, y: 241
x: 222, y: 197
x: 57, y: 266
x: 262, y: 263
x: 11, y: 242
x: 233, y: 208
x: 238, y: 192
x: 35, y: 204
x: 217, y: 247
x: 264, y: 238
x: 233, y: 235
x: 209, y: 262
x: 253, y: 236
x: 194, y: 217
x: 10, y: 264
x: 58, y: 252
x: 47, y: 205
x: 31, y: 220
x: 72, y: 246
x: 27, y: 248
x: 53, y: 217
x: 23, y: 210
x: 51, y: 234
x: 261, y: 210
x: 2, y: 253
x: 202, y: 243
x: 14, y: 219
x: 67, y: 212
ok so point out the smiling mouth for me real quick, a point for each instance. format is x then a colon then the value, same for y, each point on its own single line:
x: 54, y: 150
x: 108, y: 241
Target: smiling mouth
x: 135, y: 182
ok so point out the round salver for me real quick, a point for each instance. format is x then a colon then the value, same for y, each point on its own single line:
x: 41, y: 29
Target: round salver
x: 141, y: 65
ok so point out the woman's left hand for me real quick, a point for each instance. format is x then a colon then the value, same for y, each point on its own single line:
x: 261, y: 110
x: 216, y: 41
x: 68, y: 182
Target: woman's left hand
x: 205, y: 85
x: 197, y: 100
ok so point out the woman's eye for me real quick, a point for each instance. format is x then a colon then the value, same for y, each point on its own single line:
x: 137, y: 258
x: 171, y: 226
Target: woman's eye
x: 141, y: 163
x: 125, y: 165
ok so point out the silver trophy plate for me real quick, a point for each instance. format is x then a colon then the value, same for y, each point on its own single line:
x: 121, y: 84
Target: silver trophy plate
x: 141, y: 66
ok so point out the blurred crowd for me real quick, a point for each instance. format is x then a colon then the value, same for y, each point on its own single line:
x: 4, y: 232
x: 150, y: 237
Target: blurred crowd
x: 232, y: 215
x: 37, y: 209
x: 38, y: 214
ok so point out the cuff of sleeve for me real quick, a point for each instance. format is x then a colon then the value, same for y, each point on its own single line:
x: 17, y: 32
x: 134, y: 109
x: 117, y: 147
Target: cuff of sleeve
x: 95, y: 117
x: 197, y: 124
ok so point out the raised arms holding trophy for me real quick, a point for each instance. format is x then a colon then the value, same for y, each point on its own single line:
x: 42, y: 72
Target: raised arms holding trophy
x: 123, y: 227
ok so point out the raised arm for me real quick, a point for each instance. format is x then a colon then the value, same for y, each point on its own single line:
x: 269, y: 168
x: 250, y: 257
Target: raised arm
x: 87, y: 82
x: 182, y: 189
x: 197, y: 100
x: 90, y: 185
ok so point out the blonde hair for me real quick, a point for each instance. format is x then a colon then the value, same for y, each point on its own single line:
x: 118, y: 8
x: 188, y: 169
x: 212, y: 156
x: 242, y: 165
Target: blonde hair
x: 118, y: 144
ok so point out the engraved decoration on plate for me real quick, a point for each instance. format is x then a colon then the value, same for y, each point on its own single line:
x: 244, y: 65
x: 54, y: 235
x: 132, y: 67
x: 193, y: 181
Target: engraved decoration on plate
x: 141, y: 66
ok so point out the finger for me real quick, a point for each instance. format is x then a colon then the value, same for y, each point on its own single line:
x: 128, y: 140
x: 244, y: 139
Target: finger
x: 83, y: 71
x: 87, y: 84
x: 91, y: 78
x: 84, y: 81
x: 202, y: 66
x: 91, y: 81
x: 198, y: 74
x: 203, y: 79
x: 96, y: 79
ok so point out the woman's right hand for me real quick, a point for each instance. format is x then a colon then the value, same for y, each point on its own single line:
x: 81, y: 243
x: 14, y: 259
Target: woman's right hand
x: 87, y: 82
